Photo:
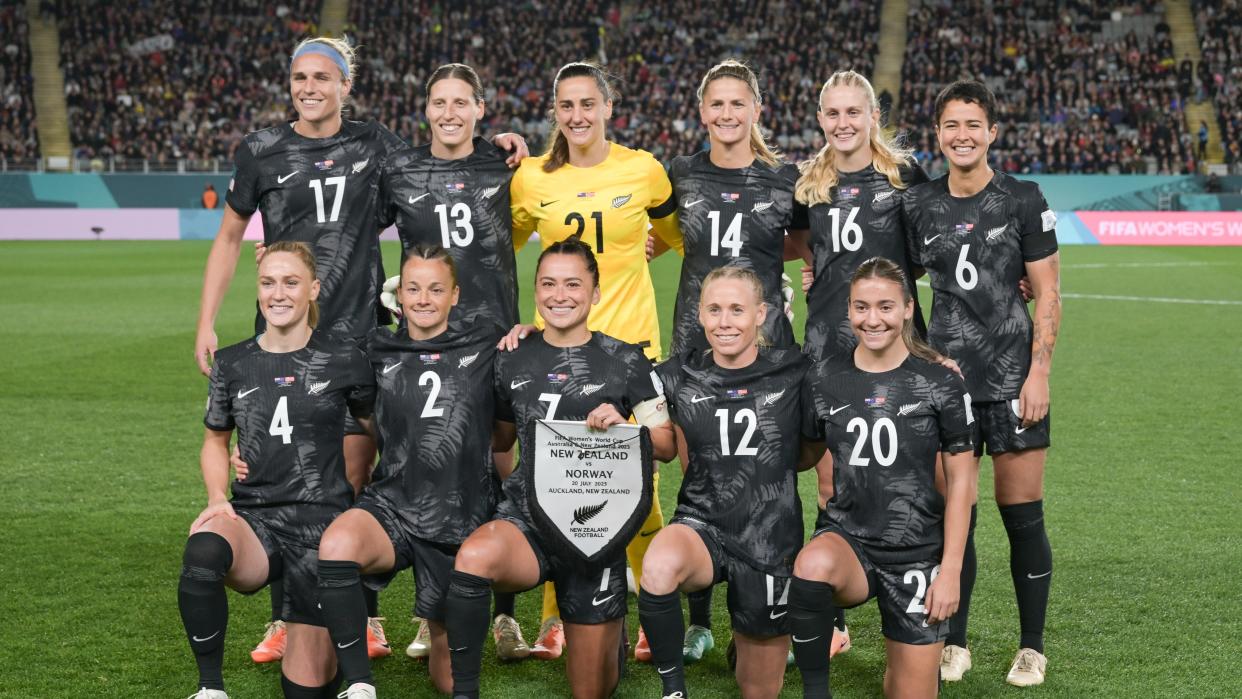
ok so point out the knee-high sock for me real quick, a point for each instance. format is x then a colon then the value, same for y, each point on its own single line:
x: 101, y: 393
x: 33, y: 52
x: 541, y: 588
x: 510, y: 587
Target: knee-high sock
x: 811, y: 613
x: 970, y: 569
x: 293, y: 690
x: 466, y: 620
x: 1030, y: 564
x: 660, y: 616
x: 838, y: 621
x: 345, y: 614
x: 550, y: 607
x: 503, y: 603
x: 637, y: 548
x: 700, y: 604
x: 204, y: 605
x: 372, y: 599
x: 276, y: 590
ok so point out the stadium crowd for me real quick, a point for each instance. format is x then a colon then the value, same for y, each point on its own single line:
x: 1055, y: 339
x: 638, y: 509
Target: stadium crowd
x: 1085, y: 86
x: 1219, y: 23
x: 17, y: 117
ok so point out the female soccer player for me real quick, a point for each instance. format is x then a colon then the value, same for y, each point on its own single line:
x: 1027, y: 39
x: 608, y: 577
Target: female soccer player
x: 734, y: 203
x: 738, y: 414
x: 454, y: 192
x: 606, y: 194
x: 285, y: 393
x: 567, y: 372
x: 976, y: 232
x: 887, y: 410
x: 435, y: 480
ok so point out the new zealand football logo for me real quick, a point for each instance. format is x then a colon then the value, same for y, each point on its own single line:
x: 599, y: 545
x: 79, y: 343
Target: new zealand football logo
x: 586, y: 513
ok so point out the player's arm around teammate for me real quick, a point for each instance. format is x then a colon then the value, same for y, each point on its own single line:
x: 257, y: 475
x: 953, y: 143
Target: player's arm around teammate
x: 285, y: 393
x: 887, y: 411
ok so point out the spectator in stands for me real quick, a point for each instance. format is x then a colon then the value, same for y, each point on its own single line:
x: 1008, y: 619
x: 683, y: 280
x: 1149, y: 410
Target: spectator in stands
x: 210, y: 198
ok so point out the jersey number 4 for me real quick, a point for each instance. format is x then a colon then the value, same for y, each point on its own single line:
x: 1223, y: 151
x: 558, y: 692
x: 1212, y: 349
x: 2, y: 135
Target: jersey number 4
x: 280, y: 426
x: 745, y: 416
x: 338, y: 196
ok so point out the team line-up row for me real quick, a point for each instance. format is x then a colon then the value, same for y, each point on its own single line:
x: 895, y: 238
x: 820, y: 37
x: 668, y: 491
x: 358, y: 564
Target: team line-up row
x: 740, y: 405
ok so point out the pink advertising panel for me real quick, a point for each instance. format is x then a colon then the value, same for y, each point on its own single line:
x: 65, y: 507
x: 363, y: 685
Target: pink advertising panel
x: 1163, y: 227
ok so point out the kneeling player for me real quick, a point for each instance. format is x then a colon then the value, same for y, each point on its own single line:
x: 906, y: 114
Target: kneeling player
x: 567, y: 372
x: 435, y: 482
x: 886, y: 411
x: 738, y: 412
x: 285, y: 392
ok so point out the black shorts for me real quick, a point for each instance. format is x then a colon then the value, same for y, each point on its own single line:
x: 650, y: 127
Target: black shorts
x: 899, y: 587
x: 352, y: 426
x: 432, y: 562
x: 290, y: 537
x: 996, y: 424
x: 757, y: 600
x: 586, y: 593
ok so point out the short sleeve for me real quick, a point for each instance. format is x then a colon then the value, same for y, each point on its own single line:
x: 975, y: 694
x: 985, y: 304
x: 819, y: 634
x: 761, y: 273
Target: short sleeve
x: 643, y: 384
x: 812, y: 428
x: 661, y: 202
x: 1039, y: 225
x: 909, y: 226
x: 501, y: 391
x: 800, y: 217
x: 243, y: 196
x: 361, y: 394
x: 386, y: 212
x: 219, y: 415
x: 523, y: 220
x: 954, y: 414
x: 668, y: 375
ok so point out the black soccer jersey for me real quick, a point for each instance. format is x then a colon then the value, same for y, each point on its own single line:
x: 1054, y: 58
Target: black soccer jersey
x: 539, y: 381
x: 732, y: 216
x: 434, y: 414
x: 974, y: 250
x: 463, y: 206
x: 743, y: 432
x: 322, y: 191
x: 289, y: 413
x: 884, y: 430
x: 863, y: 220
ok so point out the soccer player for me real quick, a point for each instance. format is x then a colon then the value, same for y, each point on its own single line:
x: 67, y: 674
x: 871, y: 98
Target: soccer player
x: 738, y: 415
x: 734, y: 203
x: 435, y: 482
x: 606, y: 194
x: 567, y: 372
x: 285, y: 393
x: 454, y: 192
x: 851, y: 192
x: 976, y: 232
x: 887, y: 410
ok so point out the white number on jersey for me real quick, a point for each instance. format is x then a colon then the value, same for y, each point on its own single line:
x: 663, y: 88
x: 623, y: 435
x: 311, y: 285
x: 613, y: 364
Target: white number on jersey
x: 429, y: 409
x: 744, y: 448
x: 553, y: 400
x: 967, y: 274
x: 884, y: 424
x: 916, y: 575
x: 338, y: 195
x: 280, y: 426
x: 732, y: 236
x: 460, y: 233
x: 847, y: 235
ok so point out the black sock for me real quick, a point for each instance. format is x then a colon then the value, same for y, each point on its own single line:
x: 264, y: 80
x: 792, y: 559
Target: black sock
x: 970, y: 568
x: 811, y: 612
x: 372, y: 600
x: 700, y: 604
x: 466, y: 620
x: 502, y: 603
x: 293, y: 690
x: 345, y: 614
x: 660, y: 616
x: 204, y: 605
x: 1030, y: 564
x: 838, y: 622
x: 276, y: 592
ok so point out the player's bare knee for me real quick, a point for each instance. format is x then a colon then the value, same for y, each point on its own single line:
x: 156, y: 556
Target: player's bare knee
x: 817, y: 564
x: 339, y: 543
x: 479, y: 555
x: 662, y: 571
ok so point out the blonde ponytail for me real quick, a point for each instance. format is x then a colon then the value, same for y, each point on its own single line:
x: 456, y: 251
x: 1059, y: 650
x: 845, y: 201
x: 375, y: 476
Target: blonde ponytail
x: 730, y: 68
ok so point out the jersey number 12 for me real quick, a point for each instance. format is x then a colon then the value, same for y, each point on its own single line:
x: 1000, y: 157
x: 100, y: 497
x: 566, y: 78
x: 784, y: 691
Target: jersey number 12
x: 744, y: 416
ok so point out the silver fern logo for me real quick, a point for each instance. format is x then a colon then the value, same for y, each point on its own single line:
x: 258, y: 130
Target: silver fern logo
x: 881, y: 197
x: 773, y: 397
x: 467, y: 360
x: 619, y: 202
x: 487, y: 193
x: 908, y: 408
x: 317, y: 388
x: 761, y: 206
x: 591, y: 388
x: 586, y: 513
x: 358, y: 166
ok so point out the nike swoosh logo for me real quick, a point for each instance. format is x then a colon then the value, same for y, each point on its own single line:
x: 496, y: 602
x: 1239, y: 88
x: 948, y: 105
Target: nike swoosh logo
x: 596, y: 601
x: 1020, y: 429
x: 696, y: 201
x: 543, y: 203
x: 459, y: 650
x: 834, y: 411
x: 281, y: 180
x: 774, y: 615
x: 804, y: 640
x: 1037, y: 577
x: 390, y: 368
x: 927, y: 241
x: 700, y: 399
x: 518, y: 384
x: 196, y: 639
x: 414, y: 199
x: 243, y: 394
x: 346, y: 645
x: 646, y: 534
x: 663, y: 671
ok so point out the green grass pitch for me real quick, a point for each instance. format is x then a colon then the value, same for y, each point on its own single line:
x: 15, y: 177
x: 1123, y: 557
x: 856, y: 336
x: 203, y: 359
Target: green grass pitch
x: 101, y: 407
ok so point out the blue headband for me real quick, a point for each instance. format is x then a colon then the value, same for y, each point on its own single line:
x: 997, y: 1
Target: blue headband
x: 323, y: 50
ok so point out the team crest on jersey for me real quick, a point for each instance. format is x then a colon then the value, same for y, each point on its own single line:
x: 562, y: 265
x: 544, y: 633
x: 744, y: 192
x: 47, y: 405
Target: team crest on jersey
x: 729, y: 197
x: 736, y: 393
x: 591, y: 388
x: 467, y: 360
x: 454, y: 187
x: 357, y: 167
x: 282, y: 381
x: 761, y: 206
x: 429, y: 358
x: 875, y: 401
x: 908, y: 408
x: 618, y: 202
x: 317, y: 388
x: 844, y: 193
x: 963, y: 228
x: 884, y: 196
x: 487, y: 193
x: 992, y: 233
x: 773, y: 397
x: 585, y: 195
x: 558, y: 378
x: 324, y: 164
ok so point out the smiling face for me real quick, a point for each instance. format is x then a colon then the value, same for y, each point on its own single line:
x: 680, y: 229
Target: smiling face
x: 286, y: 290
x: 317, y: 88
x: 452, y: 111
x: 582, y: 111
x: 564, y: 292
x: 847, y: 118
x: 728, y: 110
x: 426, y: 295
x: 731, y: 313
x: 965, y: 134
x: 878, y: 312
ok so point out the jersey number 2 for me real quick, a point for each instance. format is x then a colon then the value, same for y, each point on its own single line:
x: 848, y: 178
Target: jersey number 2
x: 430, y: 409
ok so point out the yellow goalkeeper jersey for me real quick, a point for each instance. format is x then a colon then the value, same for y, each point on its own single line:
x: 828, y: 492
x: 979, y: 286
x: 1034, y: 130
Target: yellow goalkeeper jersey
x: 610, y: 206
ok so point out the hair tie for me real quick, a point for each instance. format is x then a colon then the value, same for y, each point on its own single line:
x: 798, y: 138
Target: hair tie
x: 323, y: 50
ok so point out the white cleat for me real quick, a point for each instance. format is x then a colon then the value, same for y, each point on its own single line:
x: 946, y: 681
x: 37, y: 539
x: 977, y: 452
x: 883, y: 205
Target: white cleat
x: 420, y: 647
x: 1028, y: 668
x: 358, y: 690
x: 675, y: 695
x: 205, y: 693
x: 954, y: 662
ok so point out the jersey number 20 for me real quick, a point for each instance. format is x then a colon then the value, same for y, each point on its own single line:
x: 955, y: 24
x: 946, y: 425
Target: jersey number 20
x: 885, y: 457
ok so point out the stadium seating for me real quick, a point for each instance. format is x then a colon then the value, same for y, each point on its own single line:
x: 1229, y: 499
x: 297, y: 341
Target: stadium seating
x: 1220, y: 72
x: 18, y: 140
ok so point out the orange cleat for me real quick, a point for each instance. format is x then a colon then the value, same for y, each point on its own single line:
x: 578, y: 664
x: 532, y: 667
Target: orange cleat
x: 840, y: 641
x: 377, y: 643
x: 551, y: 641
x: 642, y: 649
x: 272, y: 647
